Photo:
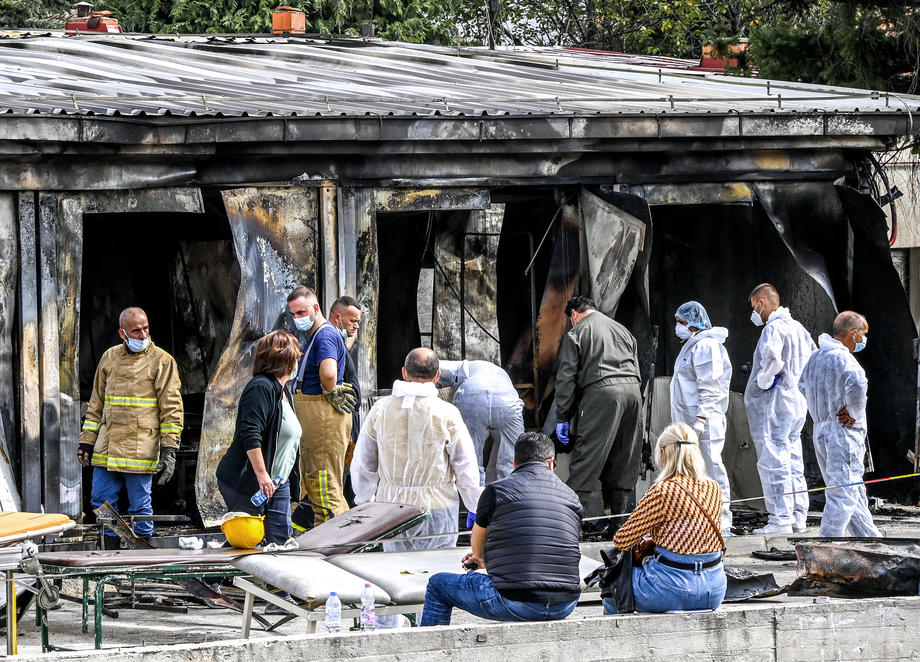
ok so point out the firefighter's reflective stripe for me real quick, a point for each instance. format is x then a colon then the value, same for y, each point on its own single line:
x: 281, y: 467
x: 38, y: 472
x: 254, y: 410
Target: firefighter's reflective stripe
x: 126, y: 401
x: 121, y: 463
x: 90, y: 425
x: 170, y: 428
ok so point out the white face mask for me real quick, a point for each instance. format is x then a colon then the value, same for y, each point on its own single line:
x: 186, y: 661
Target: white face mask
x: 303, y: 324
x: 135, y: 345
x: 682, y: 331
x: 755, y: 318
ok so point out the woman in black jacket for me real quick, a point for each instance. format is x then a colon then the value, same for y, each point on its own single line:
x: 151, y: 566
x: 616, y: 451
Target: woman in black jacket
x: 266, y: 445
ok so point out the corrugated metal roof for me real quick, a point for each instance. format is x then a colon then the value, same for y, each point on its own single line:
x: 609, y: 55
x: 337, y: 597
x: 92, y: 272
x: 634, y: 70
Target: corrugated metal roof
x: 204, y: 76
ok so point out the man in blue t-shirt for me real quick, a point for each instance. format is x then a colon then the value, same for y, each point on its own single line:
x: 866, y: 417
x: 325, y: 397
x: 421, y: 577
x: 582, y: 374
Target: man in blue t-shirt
x: 323, y: 403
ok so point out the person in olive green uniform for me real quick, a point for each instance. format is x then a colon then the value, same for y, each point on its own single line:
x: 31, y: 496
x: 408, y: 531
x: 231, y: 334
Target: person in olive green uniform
x: 598, y: 397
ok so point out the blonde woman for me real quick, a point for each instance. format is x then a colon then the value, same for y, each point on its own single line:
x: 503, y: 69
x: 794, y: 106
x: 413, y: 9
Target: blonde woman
x: 679, y: 514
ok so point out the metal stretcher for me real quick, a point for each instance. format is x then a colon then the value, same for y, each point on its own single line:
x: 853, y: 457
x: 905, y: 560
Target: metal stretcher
x: 399, y: 581
x: 353, y: 531
x: 18, y: 527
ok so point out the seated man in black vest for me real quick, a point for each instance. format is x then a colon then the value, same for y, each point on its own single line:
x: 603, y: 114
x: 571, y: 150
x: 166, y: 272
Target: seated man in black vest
x: 526, y: 537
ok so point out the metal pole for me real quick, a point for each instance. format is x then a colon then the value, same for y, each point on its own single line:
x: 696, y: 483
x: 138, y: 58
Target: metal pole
x: 11, y: 634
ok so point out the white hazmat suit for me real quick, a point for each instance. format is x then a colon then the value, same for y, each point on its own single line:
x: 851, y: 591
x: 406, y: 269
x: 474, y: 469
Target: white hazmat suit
x: 414, y: 448
x: 700, y: 388
x: 834, y: 380
x: 776, y: 414
x: 490, y: 407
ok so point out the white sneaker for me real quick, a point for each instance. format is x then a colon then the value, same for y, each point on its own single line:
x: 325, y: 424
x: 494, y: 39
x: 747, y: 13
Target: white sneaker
x: 773, y: 528
x: 798, y: 528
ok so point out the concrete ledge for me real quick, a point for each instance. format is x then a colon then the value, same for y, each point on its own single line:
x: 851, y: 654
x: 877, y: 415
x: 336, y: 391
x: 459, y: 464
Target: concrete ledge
x: 841, y: 630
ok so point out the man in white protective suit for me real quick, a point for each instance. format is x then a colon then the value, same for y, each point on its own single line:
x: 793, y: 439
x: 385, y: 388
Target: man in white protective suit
x: 699, y: 391
x: 414, y: 448
x: 490, y: 407
x: 834, y: 385
x: 776, y: 410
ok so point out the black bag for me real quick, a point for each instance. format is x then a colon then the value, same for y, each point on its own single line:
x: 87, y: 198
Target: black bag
x: 615, y: 579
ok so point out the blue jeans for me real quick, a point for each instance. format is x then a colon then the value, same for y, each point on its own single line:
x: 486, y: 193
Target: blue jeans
x: 277, y: 509
x: 475, y: 593
x: 107, y: 487
x: 659, y: 588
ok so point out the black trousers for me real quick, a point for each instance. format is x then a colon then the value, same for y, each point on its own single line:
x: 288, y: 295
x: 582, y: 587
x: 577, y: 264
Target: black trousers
x: 608, y: 447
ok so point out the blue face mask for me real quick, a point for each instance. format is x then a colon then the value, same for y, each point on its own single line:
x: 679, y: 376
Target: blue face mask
x: 344, y: 334
x: 135, y: 345
x: 303, y: 324
x: 860, y: 346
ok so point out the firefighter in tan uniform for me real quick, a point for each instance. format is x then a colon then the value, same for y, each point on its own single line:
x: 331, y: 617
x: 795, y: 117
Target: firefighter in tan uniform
x: 132, y: 426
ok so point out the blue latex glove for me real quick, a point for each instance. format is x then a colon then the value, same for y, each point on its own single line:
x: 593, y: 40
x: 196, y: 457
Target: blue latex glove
x: 776, y: 380
x: 470, y: 520
x: 562, y: 433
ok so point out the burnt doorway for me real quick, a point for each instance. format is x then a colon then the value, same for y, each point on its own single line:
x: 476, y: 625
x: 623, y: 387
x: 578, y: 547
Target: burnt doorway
x: 182, y: 270
x: 404, y: 241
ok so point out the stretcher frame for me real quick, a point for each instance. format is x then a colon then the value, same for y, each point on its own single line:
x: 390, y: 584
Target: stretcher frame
x: 104, y: 575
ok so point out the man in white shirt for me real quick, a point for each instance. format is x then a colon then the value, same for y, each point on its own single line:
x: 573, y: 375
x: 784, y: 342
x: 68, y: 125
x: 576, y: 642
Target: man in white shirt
x: 414, y: 448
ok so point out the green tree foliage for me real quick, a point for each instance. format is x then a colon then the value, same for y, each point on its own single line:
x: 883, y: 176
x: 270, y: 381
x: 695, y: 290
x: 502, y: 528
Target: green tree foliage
x: 873, y: 45
x: 33, y: 13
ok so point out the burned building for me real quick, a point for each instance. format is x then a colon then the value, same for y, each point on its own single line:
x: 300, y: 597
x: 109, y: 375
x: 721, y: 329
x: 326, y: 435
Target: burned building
x: 461, y: 195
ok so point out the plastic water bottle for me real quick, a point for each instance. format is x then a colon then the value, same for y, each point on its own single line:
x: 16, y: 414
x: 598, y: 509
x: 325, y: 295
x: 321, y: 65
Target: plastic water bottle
x: 333, y: 613
x: 368, y: 612
x: 258, y: 498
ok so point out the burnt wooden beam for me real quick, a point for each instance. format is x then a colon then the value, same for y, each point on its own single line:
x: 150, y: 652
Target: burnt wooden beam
x: 347, y: 241
x: 329, y: 247
x: 9, y: 423
x: 54, y: 456
x: 415, y: 199
x: 30, y: 409
x: 69, y: 232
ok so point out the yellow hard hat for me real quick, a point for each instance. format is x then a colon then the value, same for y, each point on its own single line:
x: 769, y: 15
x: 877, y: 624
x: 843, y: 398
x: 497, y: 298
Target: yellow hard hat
x: 244, y: 531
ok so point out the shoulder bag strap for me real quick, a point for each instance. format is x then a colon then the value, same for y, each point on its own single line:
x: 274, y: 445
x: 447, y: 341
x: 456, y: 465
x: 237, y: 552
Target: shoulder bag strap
x: 705, y: 514
x: 303, y: 358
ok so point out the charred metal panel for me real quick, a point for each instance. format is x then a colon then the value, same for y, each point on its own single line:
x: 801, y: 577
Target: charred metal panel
x: 563, y: 274
x: 564, y: 163
x: 465, y: 321
x: 203, y: 285
x: 9, y: 425
x: 54, y: 453
x: 29, y: 343
x: 93, y: 176
x: 359, y: 215
x: 691, y: 194
x: 889, y: 358
x: 400, y: 200
x: 614, y: 239
x: 182, y: 200
x: 275, y: 234
x: 857, y: 567
x: 69, y: 232
x: 784, y: 206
